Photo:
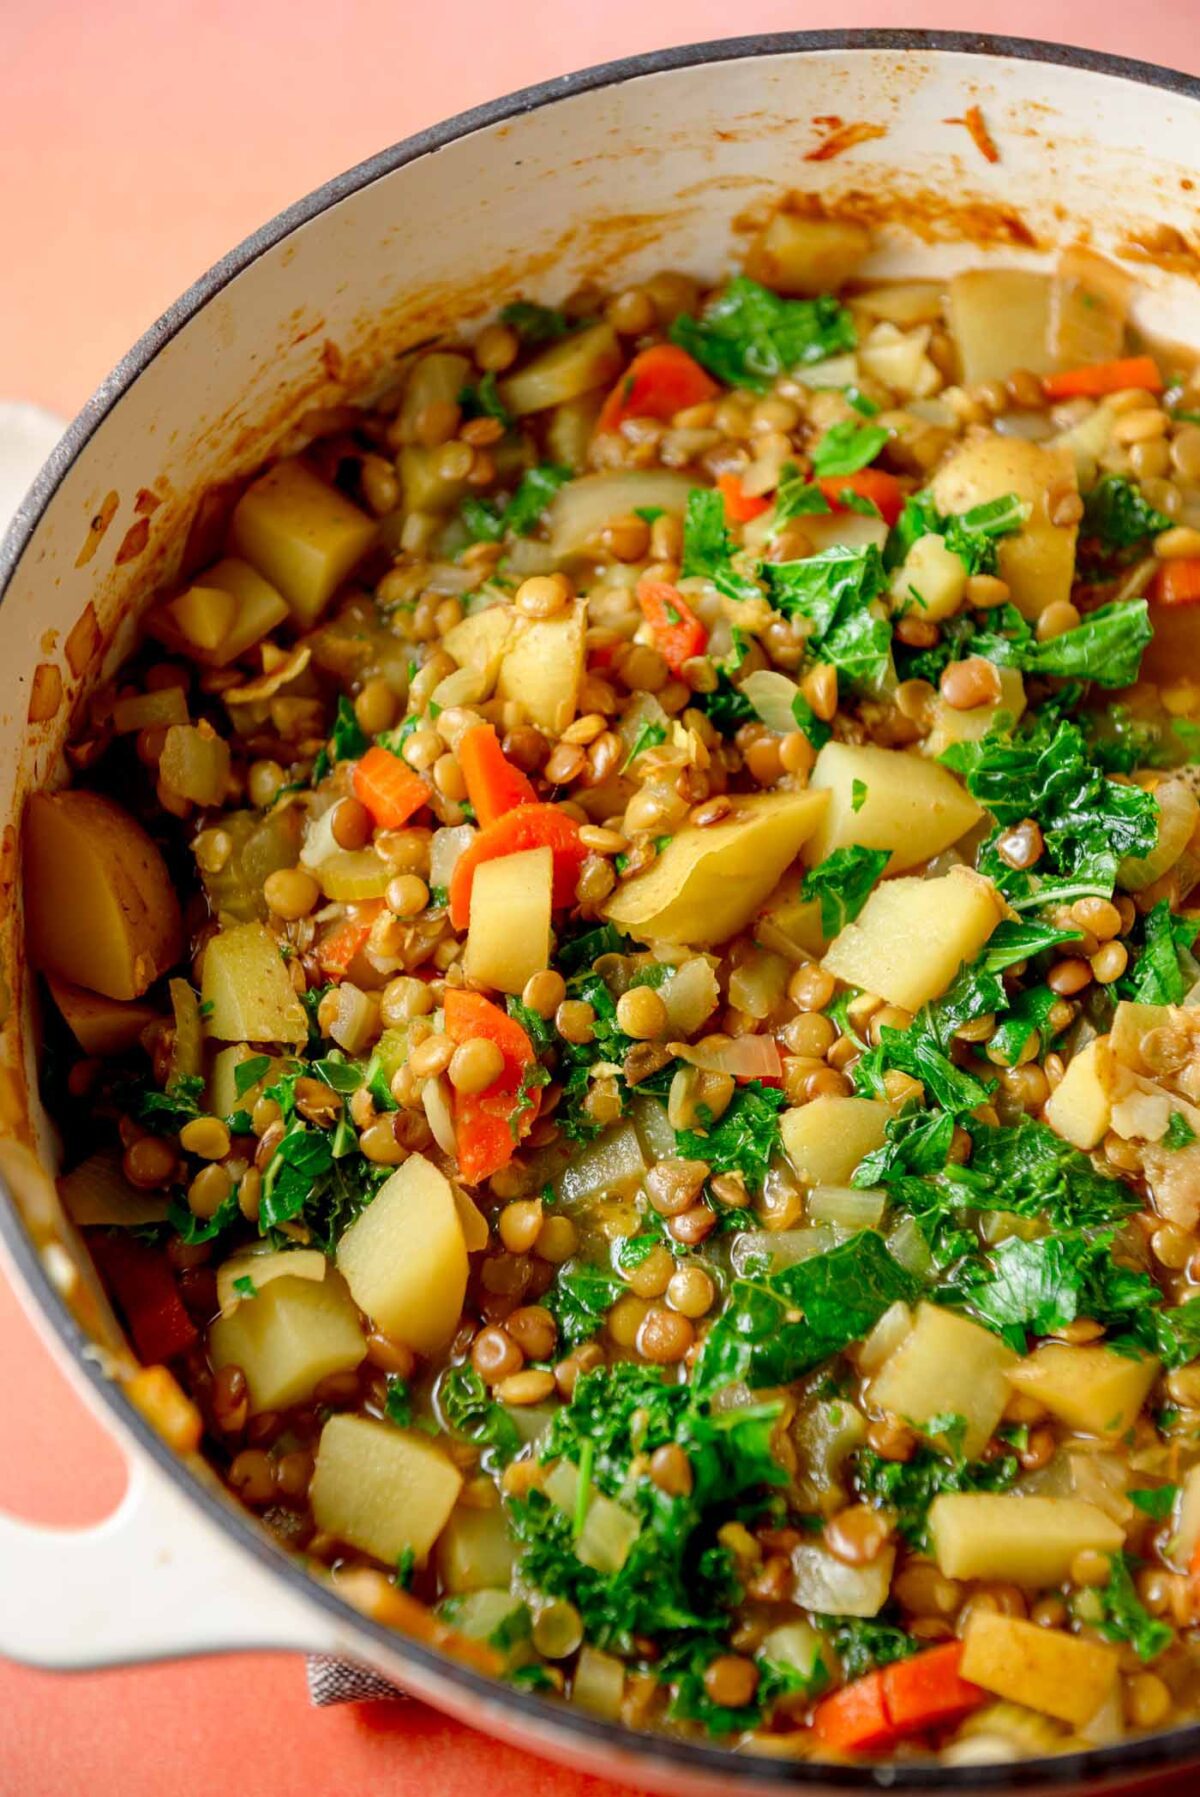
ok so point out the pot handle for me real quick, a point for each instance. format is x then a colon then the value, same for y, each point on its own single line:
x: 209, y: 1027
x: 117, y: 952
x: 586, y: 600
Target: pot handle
x: 155, y: 1580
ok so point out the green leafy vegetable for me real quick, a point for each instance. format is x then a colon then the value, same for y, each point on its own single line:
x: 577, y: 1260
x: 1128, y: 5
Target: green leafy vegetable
x: 580, y: 1299
x: 843, y: 883
x: 489, y: 520
x: 170, y: 1110
x: 862, y: 1643
x: 1125, y: 1618
x: 397, y: 1405
x: 837, y: 592
x: 1180, y: 1133
x: 708, y: 548
x: 649, y: 736
x: 483, y: 401
x: 1105, y: 648
x: 534, y: 323
x: 1118, y: 517
x: 1157, y: 1501
x: 972, y: 535
x: 909, y: 1486
x: 743, y: 1138
x: 470, y: 1413
x: 847, y: 447
x: 749, y: 336
x: 1164, y: 969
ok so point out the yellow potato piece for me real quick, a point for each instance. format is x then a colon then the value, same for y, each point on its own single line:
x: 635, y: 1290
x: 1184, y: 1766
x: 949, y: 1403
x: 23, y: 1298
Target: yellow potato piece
x: 481, y: 639
x: 194, y: 764
x: 204, y: 615
x: 542, y: 666
x: 259, y: 607
x: 1037, y: 561
x: 247, y: 988
x: 476, y: 1551
x: 101, y: 1026
x: 1080, y: 1107
x: 1000, y: 320
x: 100, y: 908
x: 709, y: 881
x: 947, y: 1366
x: 1005, y: 1535
x: 887, y: 799
x: 586, y: 359
x: 381, y: 1489
x: 405, y: 1260
x: 302, y: 535
x: 509, y: 937
x: 1090, y: 1387
x: 794, y: 254
x: 912, y: 936
x: 1046, y: 1670
x: 826, y: 1138
x: 294, y: 1334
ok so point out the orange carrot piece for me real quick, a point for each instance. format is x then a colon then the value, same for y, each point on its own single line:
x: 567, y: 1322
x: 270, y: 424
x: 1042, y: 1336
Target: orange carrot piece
x: 678, y: 632
x: 740, y: 506
x: 337, y: 951
x: 927, y: 1692
x: 658, y: 383
x: 486, y: 1127
x: 388, y: 787
x: 527, y: 827
x: 855, y: 1719
x: 1099, y: 378
x: 494, y: 785
x: 1177, y: 583
x: 876, y: 484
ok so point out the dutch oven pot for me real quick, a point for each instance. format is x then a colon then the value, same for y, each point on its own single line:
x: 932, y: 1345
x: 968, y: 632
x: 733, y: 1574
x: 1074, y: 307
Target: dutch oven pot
x: 612, y: 173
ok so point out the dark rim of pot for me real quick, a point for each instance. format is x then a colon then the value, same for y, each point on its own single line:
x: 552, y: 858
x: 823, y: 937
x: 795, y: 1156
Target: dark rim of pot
x: 1096, y: 1768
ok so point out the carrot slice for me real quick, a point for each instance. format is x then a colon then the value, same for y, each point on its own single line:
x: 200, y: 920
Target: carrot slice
x: 876, y: 484
x: 678, y: 632
x: 1177, y: 583
x: 487, y: 1125
x: 1099, y: 378
x: 336, y: 952
x: 658, y: 383
x: 388, y: 787
x: 527, y: 827
x: 141, y: 1281
x: 855, y: 1719
x: 926, y: 1691
x: 740, y: 507
x: 494, y: 785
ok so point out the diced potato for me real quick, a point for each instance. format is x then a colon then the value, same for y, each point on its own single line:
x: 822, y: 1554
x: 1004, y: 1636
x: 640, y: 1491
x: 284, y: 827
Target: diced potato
x: 142, y: 711
x: 569, y: 431
x: 203, y: 615
x: 912, y: 936
x: 898, y: 359
x: 790, y: 923
x: 1037, y: 561
x: 952, y: 726
x: 247, y: 988
x: 1080, y: 1107
x: 261, y: 1268
x: 100, y: 906
x: 576, y: 364
x: 257, y: 608
x: 426, y: 487
x: 1090, y: 1387
x: 97, y: 1195
x: 708, y: 881
x: 598, y: 1684
x: 194, y: 764
x: 381, y: 1489
x: 1089, y: 305
x: 1007, y: 1535
x: 405, y: 1260
x: 543, y: 665
x: 1179, y: 814
x: 827, y: 1586
x: 912, y: 807
x: 931, y: 580
x: 903, y: 302
x: 794, y: 254
x: 101, y: 1026
x: 1132, y: 1023
x: 509, y: 937
x: 1187, y: 1535
x: 476, y: 1551
x: 294, y: 1334
x: 947, y: 1366
x: 999, y: 318
x: 302, y: 535
x: 436, y: 378
x: 481, y: 639
x: 580, y: 510
x: 1047, y: 1670
x: 826, y: 1138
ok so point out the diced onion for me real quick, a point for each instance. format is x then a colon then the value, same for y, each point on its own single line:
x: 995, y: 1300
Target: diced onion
x: 581, y: 509
x: 781, y: 1247
x: 96, y: 1194
x: 691, y: 995
x: 614, y: 1163
x: 444, y: 851
x: 907, y: 1245
x: 846, y: 1206
x: 599, y: 1684
x: 357, y: 1018
x: 885, y: 1337
x: 772, y: 696
x: 654, y: 1129
x: 474, y: 1223
x: 435, y: 1095
x: 352, y: 875
x: 745, y: 1057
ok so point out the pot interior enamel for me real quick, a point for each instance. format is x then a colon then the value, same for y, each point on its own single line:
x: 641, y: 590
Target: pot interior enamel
x: 659, y: 162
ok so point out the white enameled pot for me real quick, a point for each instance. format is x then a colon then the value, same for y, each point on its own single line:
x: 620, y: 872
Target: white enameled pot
x: 649, y: 163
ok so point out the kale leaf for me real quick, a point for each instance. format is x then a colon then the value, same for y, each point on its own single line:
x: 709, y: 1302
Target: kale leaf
x: 743, y: 1138
x: 843, y: 883
x: 749, y: 336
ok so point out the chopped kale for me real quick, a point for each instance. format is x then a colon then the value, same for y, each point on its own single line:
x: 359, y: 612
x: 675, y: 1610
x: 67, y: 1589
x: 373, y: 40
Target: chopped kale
x: 748, y: 336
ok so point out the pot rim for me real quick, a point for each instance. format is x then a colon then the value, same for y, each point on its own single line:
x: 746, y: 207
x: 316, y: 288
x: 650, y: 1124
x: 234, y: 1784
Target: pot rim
x: 1100, y: 1767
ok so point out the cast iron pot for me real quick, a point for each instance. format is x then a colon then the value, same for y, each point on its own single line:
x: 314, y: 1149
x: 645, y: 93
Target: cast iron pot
x: 612, y: 173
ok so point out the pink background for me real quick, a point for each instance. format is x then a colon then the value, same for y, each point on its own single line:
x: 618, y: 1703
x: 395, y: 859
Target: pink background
x: 140, y: 139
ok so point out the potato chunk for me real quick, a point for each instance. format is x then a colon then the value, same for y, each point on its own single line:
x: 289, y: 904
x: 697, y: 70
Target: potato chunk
x: 912, y: 807
x: 509, y: 939
x: 1004, y: 1535
x: 708, y: 881
x: 295, y: 1333
x: 1037, y: 561
x: 476, y: 1551
x: 543, y: 665
x: 794, y: 254
x: 302, y: 535
x: 1000, y: 320
x: 932, y: 580
x: 405, y: 1260
x: 247, y: 987
x: 586, y: 359
x: 826, y: 1138
x: 382, y: 1489
x: 947, y: 1366
x: 1046, y: 1670
x: 828, y: 1586
x: 1091, y: 1388
x: 912, y: 936
x: 1080, y: 1107
x: 100, y: 908
x: 101, y: 1026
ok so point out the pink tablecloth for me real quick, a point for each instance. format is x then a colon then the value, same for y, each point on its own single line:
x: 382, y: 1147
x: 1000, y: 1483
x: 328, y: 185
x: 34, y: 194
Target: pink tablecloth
x: 140, y: 139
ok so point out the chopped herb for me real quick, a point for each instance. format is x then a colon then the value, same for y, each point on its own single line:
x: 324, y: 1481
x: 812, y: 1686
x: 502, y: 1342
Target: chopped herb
x: 244, y: 1286
x: 1180, y: 1133
x: 1118, y: 517
x: 1164, y: 969
x: 397, y: 1405
x: 843, y: 883
x: 847, y: 447
x: 858, y: 795
x: 534, y: 323
x: 749, y: 336
x: 470, y: 1413
x: 744, y: 1137
x: 483, y: 401
x: 1123, y: 1616
x: 247, y: 1073
x: 406, y: 1565
x: 649, y: 514
x: 170, y: 1110
x: 1157, y: 1501
x: 708, y: 547
x: 649, y: 736
x: 816, y: 729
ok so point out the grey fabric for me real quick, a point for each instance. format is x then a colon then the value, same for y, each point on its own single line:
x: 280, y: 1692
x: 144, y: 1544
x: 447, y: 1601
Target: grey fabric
x: 341, y: 1681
